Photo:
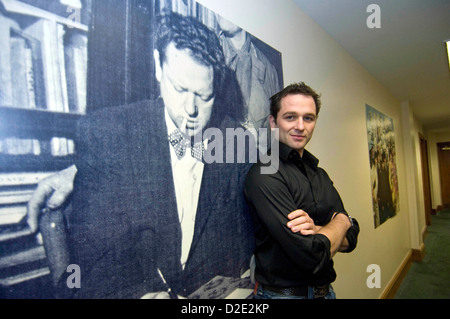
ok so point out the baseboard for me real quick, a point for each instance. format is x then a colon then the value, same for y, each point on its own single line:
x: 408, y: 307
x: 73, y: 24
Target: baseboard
x: 393, y: 285
x: 418, y: 254
x: 414, y: 255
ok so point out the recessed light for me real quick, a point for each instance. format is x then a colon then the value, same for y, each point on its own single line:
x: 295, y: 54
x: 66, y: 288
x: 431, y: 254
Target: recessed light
x: 448, y: 51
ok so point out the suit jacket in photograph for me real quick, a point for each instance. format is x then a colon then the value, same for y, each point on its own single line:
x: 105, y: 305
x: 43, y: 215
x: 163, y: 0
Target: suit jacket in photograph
x: 124, y: 223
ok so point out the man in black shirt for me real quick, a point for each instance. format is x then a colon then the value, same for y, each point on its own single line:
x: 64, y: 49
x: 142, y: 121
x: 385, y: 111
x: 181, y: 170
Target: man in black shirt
x: 300, y: 221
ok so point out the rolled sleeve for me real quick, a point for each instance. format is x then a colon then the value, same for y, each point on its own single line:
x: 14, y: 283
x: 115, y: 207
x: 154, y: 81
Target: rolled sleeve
x: 352, y: 236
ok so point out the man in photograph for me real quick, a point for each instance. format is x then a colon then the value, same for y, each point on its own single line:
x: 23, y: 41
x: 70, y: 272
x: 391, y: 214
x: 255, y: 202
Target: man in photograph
x: 148, y: 214
x: 256, y: 75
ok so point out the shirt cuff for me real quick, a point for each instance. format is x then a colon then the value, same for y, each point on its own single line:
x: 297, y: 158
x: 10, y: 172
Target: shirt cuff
x: 352, y: 236
x: 323, y: 252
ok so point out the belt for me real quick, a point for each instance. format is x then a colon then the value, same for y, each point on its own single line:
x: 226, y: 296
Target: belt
x: 302, y: 291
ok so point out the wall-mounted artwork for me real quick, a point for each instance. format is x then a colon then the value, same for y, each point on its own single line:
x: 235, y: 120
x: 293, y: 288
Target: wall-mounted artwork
x: 383, y: 168
x: 140, y: 79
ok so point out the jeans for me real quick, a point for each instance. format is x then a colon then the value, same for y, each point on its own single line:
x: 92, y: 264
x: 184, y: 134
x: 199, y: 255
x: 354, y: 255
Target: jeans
x: 262, y: 293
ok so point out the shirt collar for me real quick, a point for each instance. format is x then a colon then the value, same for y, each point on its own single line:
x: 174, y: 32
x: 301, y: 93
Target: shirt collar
x: 287, y: 153
x: 246, y: 47
x: 169, y: 122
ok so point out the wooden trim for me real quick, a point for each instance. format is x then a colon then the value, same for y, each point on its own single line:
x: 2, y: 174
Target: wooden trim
x: 425, y: 178
x: 395, y: 282
x: 414, y: 255
x: 418, y: 254
x: 424, y: 234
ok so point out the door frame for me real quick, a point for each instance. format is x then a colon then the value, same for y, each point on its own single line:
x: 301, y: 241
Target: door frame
x: 444, y: 172
x: 425, y: 179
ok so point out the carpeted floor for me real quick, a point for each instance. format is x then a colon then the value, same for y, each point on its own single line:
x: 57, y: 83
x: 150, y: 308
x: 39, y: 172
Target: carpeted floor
x: 430, y: 278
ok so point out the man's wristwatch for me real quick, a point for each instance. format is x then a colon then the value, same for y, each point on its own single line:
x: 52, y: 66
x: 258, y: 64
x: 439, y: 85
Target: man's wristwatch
x: 344, y: 213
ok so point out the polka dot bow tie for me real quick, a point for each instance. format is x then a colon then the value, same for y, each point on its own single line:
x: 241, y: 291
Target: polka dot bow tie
x: 180, y: 143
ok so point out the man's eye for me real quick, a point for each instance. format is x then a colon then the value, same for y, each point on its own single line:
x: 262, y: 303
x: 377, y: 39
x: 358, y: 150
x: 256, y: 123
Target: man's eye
x: 206, y: 98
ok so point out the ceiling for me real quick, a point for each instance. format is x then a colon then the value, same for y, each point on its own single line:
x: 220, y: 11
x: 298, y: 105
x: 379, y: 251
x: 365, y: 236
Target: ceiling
x: 407, y: 54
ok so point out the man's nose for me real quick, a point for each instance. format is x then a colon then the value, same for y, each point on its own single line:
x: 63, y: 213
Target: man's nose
x: 299, y: 124
x: 190, y: 105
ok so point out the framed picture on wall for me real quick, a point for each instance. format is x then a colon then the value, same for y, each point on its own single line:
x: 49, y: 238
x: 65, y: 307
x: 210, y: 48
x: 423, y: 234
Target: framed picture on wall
x: 383, y: 168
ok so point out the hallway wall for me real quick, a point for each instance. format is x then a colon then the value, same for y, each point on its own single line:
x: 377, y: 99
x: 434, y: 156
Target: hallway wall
x: 340, y: 140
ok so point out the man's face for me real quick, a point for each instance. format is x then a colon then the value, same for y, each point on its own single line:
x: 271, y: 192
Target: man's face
x: 186, y: 88
x: 296, y: 121
x: 229, y: 28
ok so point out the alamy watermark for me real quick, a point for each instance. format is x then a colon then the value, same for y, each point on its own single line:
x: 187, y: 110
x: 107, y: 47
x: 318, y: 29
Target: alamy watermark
x: 236, y: 145
x: 74, y: 279
x: 241, y: 146
x: 374, y: 279
x: 73, y: 7
x: 374, y: 19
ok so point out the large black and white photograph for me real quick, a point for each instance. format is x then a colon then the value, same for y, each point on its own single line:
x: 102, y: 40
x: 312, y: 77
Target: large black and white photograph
x: 108, y: 115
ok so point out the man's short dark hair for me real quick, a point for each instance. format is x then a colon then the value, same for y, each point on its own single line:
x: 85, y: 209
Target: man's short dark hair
x: 189, y: 33
x: 295, y: 88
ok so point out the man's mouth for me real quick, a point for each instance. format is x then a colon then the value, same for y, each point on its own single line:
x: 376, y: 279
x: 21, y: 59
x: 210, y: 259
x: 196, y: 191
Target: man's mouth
x: 189, y: 124
x: 192, y: 124
x: 298, y: 137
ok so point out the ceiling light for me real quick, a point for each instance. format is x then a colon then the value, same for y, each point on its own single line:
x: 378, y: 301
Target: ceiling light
x: 448, y: 52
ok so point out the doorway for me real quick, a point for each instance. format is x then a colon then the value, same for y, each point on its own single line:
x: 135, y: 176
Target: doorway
x: 444, y: 171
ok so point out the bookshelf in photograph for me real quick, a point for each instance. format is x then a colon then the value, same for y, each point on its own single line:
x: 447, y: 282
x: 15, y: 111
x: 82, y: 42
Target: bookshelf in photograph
x: 43, y: 75
x: 43, y: 65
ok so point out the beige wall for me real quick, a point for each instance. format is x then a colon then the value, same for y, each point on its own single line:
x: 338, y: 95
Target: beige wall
x: 340, y: 140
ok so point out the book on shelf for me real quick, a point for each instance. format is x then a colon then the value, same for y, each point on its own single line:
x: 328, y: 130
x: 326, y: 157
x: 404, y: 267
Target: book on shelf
x: 50, y: 34
x: 22, y: 78
x: 20, y: 146
x: 21, y: 82
x: 13, y: 214
x: 76, y: 70
x: 16, y: 190
x: 22, y: 179
x: 11, y: 197
x: 6, y: 95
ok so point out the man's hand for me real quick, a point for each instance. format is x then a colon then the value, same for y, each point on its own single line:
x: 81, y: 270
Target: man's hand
x: 301, y: 222
x: 159, y: 295
x: 52, y: 193
x: 156, y: 295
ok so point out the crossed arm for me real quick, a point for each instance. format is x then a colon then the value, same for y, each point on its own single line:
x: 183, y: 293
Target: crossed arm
x: 335, y: 230
x: 274, y: 205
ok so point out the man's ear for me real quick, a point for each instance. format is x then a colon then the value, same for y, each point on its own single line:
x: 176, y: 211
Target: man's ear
x: 158, y: 69
x: 272, y: 121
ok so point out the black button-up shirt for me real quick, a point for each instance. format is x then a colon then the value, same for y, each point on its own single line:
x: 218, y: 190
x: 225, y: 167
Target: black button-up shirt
x: 284, y: 258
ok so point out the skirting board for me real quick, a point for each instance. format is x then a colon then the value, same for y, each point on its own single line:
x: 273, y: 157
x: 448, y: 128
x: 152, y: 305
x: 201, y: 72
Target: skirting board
x: 414, y: 255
